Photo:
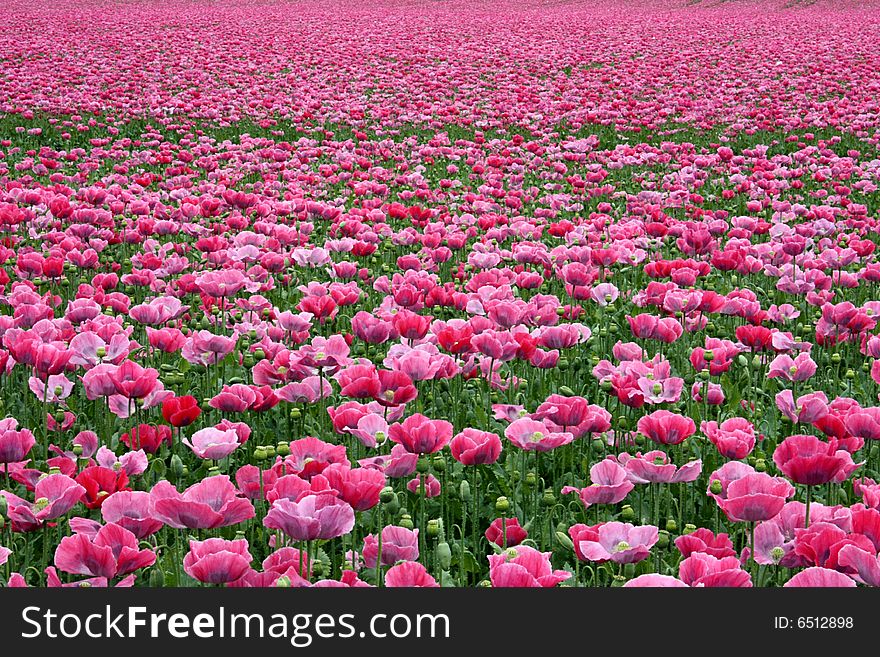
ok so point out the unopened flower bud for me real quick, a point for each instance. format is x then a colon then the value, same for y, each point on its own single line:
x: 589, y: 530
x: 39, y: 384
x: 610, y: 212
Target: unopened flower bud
x: 464, y: 491
x: 564, y: 540
x: 443, y: 553
x: 176, y: 466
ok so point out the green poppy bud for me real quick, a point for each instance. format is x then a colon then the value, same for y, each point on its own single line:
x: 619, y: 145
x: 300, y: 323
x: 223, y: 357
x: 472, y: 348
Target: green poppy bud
x: 443, y: 553
x: 157, y: 578
x: 464, y: 491
x: 564, y: 540
x: 176, y: 466
x: 386, y: 495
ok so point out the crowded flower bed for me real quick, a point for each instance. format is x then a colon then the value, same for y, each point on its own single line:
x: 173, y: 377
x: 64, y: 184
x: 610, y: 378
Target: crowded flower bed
x: 463, y: 294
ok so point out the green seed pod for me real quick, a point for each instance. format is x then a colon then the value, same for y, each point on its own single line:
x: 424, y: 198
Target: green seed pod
x: 433, y: 529
x: 531, y: 479
x: 836, y: 358
x: 671, y: 525
x: 295, y: 413
x: 756, y: 362
x: 689, y: 529
x: 549, y: 498
x: 283, y: 448
x: 663, y: 540
x: 485, y: 584
x: 443, y: 553
x: 78, y: 450
x: 627, y: 514
x: 386, y: 495
x: 270, y: 451
x: 260, y: 454
x: 406, y: 521
x: 423, y: 465
x: 715, y: 487
x: 760, y: 465
x: 502, y: 505
x: 439, y: 463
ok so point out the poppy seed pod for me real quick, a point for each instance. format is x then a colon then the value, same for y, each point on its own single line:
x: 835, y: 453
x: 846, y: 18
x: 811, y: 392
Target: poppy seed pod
x: 716, y: 487
x: 627, y: 513
x: 433, y: 529
x: 502, y: 505
x: 406, y: 521
x: 386, y: 495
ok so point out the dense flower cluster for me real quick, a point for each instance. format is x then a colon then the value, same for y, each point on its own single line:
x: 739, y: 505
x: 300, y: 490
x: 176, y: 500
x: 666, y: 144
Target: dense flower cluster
x: 562, y: 295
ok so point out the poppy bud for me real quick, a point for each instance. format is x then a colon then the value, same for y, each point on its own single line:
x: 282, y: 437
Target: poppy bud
x: 564, y: 540
x: 605, y: 385
x: 715, y: 487
x: 318, y: 568
x: 850, y: 375
x: 406, y: 521
x: 259, y: 354
x: 742, y: 360
x: 443, y: 553
x: 157, y: 467
x: 663, y: 540
x: 627, y: 513
x: 565, y: 390
x: 59, y: 417
x: 386, y: 495
x: 4, y: 506
x: 502, y: 505
x: 464, y: 491
x: 176, y: 466
x: 756, y: 362
x: 563, y: 364
x: 157, y: 578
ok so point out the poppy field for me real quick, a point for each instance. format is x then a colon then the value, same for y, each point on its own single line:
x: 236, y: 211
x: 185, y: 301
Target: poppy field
x: 395, y: 294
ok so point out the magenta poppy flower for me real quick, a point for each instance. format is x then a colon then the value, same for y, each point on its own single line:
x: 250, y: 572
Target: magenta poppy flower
x: 703, y: 540
x: 753, y: 497
x: 808, y: 460
x: 609, y: 484
x: 133, y: 511
x: 14, y: 443
x: 653, y: 580
x: 420, y: 434
x: 210, y: 503
x: 864, y: 423
x: 734, y: 438
x: 619, y: 542
x: 213, y: 443
x: 666, y: 428
x: 475, y: 447
x: 506, y: 532
x: 531, y: 435
x: 800, y: 368
x: 820, y: 578
x: 409, y: 574
x: 655, y: 468
x: 398, y: 544
x: 314, y: 516
x: 112, y: 552
x: 524, y: 566
x: 217, y: 561
x: 702, y: 569
x: 360, y: 487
